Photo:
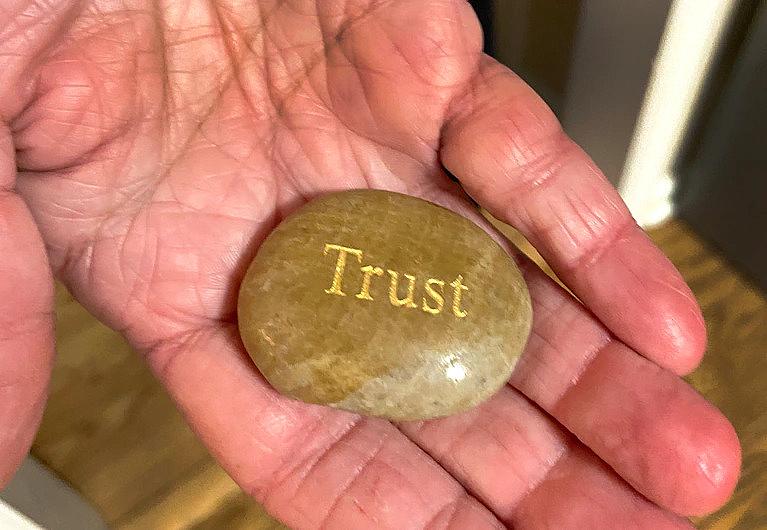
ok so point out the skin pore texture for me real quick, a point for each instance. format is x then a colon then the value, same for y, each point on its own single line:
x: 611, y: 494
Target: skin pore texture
x: 148, y: 147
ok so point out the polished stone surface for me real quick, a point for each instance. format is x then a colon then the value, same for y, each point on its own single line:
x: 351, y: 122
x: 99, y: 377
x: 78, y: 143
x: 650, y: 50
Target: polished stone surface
x: 384, y: 304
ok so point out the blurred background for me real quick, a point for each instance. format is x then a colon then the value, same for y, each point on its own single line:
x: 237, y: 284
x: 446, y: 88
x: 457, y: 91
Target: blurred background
x: 669, y: 97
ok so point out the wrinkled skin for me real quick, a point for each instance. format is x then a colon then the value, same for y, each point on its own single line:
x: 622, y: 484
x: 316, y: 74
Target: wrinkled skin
x: 150, y: 146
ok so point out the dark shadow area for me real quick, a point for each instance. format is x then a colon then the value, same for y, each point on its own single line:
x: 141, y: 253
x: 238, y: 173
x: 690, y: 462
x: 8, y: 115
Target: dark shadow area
x: 722, y: 189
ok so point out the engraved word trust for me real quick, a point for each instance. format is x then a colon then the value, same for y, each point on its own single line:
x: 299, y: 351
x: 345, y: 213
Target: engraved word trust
x: 434, y: 290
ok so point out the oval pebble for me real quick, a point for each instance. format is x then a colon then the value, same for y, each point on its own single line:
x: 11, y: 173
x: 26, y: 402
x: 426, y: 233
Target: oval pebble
x: 385, y: 305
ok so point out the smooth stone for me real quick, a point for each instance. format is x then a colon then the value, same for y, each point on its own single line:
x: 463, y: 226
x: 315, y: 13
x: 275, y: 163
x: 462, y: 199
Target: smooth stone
x: 385, y: 305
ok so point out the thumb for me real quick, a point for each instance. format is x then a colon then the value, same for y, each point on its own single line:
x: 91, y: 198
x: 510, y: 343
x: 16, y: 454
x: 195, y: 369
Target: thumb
x: 26, y: 319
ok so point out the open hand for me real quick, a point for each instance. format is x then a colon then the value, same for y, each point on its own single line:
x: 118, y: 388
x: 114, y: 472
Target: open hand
x: 149, y: 146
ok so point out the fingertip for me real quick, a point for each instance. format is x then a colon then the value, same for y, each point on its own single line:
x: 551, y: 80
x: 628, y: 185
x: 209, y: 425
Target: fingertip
x: 709, y: 457
x: 684, y: 331
x: 715, y: 468
x: 656, y: 431
x: 641, y: 297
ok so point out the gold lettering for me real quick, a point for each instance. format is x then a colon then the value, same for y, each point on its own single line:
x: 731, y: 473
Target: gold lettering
x: 457, y: 294
x: 436, y: 296
x: 433, y: 301
x: 368, y: 272
x: 338, y: 275
x: 394, y: 291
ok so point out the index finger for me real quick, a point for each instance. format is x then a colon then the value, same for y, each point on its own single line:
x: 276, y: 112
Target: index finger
x: 511, y: 154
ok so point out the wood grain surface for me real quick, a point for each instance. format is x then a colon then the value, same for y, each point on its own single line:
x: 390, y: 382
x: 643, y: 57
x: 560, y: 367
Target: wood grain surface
x: 733, y: 374
x: 111, y: 431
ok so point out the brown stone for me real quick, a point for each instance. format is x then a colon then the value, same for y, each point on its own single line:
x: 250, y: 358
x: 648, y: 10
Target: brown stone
x: 384, y: 304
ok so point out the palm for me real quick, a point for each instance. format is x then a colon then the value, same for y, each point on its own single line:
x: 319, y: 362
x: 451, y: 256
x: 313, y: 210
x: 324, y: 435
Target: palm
x: 196, y: 150
x: 159, y: 149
